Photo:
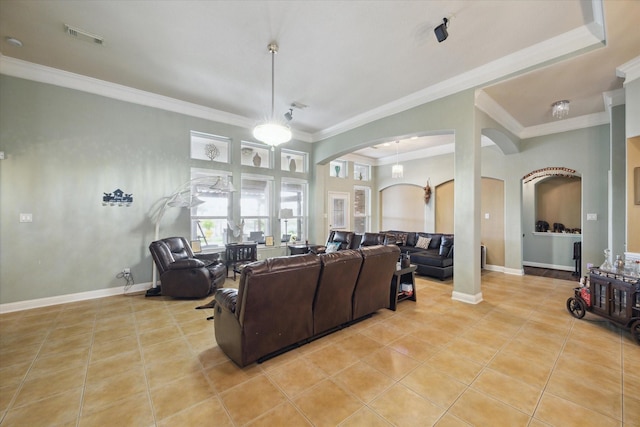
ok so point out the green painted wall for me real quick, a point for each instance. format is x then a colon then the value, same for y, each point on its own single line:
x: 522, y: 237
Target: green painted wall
x: 64, y: 149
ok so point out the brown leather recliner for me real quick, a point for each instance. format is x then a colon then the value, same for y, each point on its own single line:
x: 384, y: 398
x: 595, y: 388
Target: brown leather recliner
x: 333, y: 305
x: 372, y: 290
x: 345, y: 238
x: 271, y: 310
x: 182, y: 274
x: 372, y: 239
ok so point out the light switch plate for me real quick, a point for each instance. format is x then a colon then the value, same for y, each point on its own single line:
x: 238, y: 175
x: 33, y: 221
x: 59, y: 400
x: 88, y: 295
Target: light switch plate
x: 592, y: 217
x: 1, y: 155
x: 26, y: 217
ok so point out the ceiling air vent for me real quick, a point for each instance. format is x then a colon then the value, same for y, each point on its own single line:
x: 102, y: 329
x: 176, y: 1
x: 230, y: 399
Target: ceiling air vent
x: 83, y: 35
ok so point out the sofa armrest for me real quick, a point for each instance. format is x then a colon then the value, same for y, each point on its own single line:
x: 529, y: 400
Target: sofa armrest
x: 186, y: 263
x: 209, y: 259
x: 226, y: 298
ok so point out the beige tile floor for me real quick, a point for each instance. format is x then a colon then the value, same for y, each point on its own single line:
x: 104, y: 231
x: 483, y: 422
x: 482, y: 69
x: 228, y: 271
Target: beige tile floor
x: 516, y: 359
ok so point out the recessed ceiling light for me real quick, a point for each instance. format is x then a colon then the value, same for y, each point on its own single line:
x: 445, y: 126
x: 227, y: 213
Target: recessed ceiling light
x: 386, y: 144
x: 13, y: 41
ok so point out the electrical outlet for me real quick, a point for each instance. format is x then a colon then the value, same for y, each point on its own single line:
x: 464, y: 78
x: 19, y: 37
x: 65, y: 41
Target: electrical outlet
x: 126, y: 270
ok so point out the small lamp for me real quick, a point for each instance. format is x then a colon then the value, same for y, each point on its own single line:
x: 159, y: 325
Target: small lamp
x: 286, y: 214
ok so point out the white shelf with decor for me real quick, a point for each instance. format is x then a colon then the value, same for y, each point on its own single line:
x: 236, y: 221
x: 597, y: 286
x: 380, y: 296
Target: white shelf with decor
x: 338, y: 169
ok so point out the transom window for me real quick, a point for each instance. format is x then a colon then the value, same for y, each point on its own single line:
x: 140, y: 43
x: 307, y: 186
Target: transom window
x: 210, y: 147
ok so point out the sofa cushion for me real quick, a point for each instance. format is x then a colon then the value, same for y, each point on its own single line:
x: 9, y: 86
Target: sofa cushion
x: 435, y: 239
x: 411, y: 239
x: 423, y: 242
x: 430, y: 258
x: 333, y: 247
x: 445, y: 245
x: 372, y: 239
x: 396, y: 237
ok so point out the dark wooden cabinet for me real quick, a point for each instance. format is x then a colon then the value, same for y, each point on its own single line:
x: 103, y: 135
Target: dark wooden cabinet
x: 612, y: 297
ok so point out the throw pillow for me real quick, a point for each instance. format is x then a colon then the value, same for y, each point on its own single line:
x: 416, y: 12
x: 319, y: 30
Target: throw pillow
x: 333, y: 247
x: 402, y: 238
x: 423, y: 242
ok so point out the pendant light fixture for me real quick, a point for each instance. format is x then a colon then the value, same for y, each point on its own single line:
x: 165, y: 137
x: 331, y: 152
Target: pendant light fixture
x: 272, y: 132
x: 397, y: 171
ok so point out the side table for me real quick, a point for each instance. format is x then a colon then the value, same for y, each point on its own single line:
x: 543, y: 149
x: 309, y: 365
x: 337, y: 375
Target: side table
x: 239, y: 253
x: 401, y: 276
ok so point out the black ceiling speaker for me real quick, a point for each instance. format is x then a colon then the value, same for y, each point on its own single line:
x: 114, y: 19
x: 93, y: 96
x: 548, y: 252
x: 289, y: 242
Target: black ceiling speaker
x: 441, y: 31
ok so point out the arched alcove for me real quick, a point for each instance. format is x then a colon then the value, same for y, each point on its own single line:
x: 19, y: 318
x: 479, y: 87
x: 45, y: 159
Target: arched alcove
x: 551, y: 217
x: 492, y: 213
x: 402, y: 208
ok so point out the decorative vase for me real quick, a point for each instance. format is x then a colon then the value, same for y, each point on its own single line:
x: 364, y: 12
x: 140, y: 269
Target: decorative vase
x: 292, y: 165
x: 337, y: 171
x: 257, y: 160
x: 606, y: 265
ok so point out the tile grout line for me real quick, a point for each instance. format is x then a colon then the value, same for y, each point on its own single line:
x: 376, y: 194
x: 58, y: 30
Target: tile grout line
x: 33, y: 362
x: 86, y: 371
x: 553, y: 368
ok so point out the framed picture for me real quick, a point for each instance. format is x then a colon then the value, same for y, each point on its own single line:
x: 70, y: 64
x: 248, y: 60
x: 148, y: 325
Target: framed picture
x: 268, y: 240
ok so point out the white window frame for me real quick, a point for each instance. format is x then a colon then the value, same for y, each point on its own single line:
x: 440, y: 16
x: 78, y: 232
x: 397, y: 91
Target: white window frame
x: 199, y: 142
x: 266, y: 219
x: 300, y: 219
x: 195, y: 218
x: 299, y: 157
x: 367, y: 208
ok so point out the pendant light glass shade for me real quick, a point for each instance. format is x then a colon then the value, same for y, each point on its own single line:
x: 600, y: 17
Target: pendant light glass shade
x: 397, y: 171
x: 272, y: 132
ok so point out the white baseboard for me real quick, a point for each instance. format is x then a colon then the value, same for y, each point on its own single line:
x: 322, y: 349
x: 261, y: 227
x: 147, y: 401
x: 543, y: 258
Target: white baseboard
x: 64, y: 299
x: 551, y: 266
x: 505, y: 270
x: 469, y: 299
x: 514, y: 271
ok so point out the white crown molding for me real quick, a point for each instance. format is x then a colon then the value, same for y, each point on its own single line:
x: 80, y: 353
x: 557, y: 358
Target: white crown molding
x: 565, y: 125
x: 351, y: 157
x: 486, y: 103
x: 26, y: 70
x: 613, y: 98
x: 630, y: 70
x: 549, y: 50
x: 439, y: 150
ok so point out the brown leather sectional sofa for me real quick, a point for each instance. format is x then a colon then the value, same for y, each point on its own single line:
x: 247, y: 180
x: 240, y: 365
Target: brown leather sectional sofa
x: 285, y: 302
